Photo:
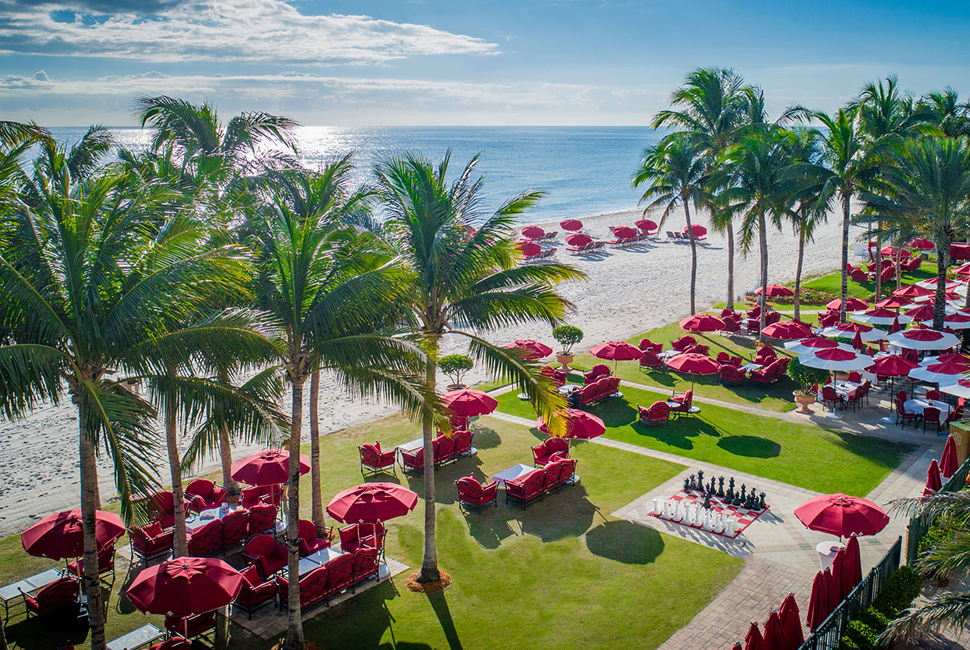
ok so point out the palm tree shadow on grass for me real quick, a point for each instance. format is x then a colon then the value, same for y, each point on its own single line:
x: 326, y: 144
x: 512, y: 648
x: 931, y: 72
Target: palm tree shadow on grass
x: 567, y: 513
x: 750, y: 446
x: 445, y: 476
x: 626, y: 542
x: 439, y: 603
x: 49, y: 632
x: 359, y: 622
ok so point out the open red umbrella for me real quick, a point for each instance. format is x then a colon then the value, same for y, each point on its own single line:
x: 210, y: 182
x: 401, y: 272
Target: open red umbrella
x: 60, y: 536
x: 933, y: 480
x: 774, y: 637
x: 893, y: 302
x: 694, y: 364
x: 851, y: 304
x: 702, y: 323
x: 533, y: 232
x: 646, y: 225
x: 853, y: 560
x: 578, y: 239
x: 963, y: 270
x: 811, y: 344
x: 469, y: 402
x: 529, y: 248
x: 372, y: 502
x: 921, y: 244
x: 624, y: 232
x: 791, y: 624
x: 185, y: 586
x: 617, y: 351
x: 948, y: 461
x: 580, y: 425
x: 698, y: 230
x: 268, y: 467
x: 533, y: 349
x: 842, y: 515
x: 776, y: 291
x: 912, y: 291
x: 924, y: 339
x: 818, y: 604
x: 787, y: 330
x: 572, y: 225
x: 753, y: 639
x: 892, y: 366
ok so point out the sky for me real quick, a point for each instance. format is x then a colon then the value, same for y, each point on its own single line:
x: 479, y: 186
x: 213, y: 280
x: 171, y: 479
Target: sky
x: 459, y: 62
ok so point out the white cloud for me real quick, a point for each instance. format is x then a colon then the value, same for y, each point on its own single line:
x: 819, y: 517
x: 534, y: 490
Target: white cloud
x: 264, y: 31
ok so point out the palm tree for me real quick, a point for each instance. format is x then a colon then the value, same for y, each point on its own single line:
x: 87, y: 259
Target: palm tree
x: 330, y: 295
x: 947, y: 113
x: 711, y: 108
x: 464, y: 276
x: 929, y: 185
x: 761, y: 189
x: 88, y: 288
x: 674, y: 169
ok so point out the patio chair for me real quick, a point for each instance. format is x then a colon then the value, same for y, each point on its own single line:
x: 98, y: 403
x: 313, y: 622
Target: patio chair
x: 931, y: 415
x: 207, y: 540
x: 855, y: 376
x: 235, y: 528
x: 731, y: 324
x: 60, y: 597
x: 597, y: 371
x: 358, y: 536
x: 765, y: 355
x: 648, y: 345
x: 557, y: 376
x: 525, y: 488
x: 472, y: 492
x: 150, y: 542
x: 902, y: 396
x: 659, y: 412
x: 261, y: 494
x: 858, y: 275
x: 731, y: 374
x: 650, y: 361
x: 255, y: 592
x: 162, y: 505
x: 463, y: 442
x: 955, y: 415
x: 266, y: 554
x: 683, y: 342
x: 772, y: 317
x: 413, y: 460
x: 543, y: 452
x: 830, y: 398
x: 444, y: 449
x: 903, y: 416
x: 670, y: 235
x: 367, y: 564
x: 106, y: 564
x: 262, y: 519
x: 698, y: 348
x: 933, y: 394
x: 723, y: 357
x: 853, y: 398
x: 204, y: 494
x: 313, y: 588
x: 191, y: 627
x: 307, y: 540
x: 684, y: 403
x: 175, y: 643
x: 866, y: 387
x: 373, y: 459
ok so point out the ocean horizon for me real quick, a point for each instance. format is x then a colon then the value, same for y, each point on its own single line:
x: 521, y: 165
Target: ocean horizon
x: 584, y: 171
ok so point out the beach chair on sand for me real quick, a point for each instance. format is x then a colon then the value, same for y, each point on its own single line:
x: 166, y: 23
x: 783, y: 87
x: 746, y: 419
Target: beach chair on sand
x: 670, y: 234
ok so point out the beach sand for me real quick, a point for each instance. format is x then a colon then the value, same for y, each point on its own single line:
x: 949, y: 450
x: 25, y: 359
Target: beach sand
x: 630, y: 290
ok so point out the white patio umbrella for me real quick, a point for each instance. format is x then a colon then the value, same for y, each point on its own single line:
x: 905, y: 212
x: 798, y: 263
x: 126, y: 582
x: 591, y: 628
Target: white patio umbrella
x: 814, y: 344
x: 931, y: 284
x: 848, y: 330
x: 834, y: 359
x: 879, y: 317
x: 939, y: 373
x: 923, y: 339
x: 959, y: 388
x: 957, y: 320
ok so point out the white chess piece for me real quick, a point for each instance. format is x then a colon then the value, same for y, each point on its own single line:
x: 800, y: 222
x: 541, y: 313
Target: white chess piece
x: 709, y: 521
x: 732, y: 526
x: 681, y: 510
x: 657, y: 508
x: 699, y: 516
x: 718, y: 523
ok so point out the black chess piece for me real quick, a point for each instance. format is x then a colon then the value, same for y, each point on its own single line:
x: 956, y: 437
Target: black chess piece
x: 691, y: 483
x: 729, y: 496
x: 731, y: 485
x: 761, y: 502
x: 700, y: 480
x: 686, y: 486
x: 707, y: 502
x: 711, y: 490
x: 738, y: 498
x: 744, y: 490
x: 720, y: 487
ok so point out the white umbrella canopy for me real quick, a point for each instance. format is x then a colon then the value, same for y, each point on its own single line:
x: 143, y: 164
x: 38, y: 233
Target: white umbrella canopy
x: 879, y: 317
x: 872, y: 334
x: 800, y: 346
x: 836, y: 360
x: 959, y: 388
x: 923, y: 339
x: 939, y: 373
x: 956, y: 320
x: 931, y: 284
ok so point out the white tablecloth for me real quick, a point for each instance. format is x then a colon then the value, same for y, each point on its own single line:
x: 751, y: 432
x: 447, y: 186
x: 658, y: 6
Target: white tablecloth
x: 512, y: 473
x: 917, y: 406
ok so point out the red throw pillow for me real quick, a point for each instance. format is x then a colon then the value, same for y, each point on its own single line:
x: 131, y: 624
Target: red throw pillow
x: 251, y: 575
x: 153, y: 529
x: 280, y: 552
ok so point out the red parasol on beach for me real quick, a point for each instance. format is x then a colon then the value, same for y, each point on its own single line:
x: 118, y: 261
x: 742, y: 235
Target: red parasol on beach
x: 851, y: 304
x: 185, y: 586
x: 753, y: 639
x: 578, y: 239
x: 933, y: 480
x: 580, y: 425
x: 791, y: 624
x: 921, y: 243
x: 702, y: 323
x: 948, y: 461
x: 893, y: 302
x: 912, y: 291
x: 787, y: 330
x: 572, y: 225
x: 776, y: 291
x: 533, y: 232
x: 624, y: 232
x: 372, y: 502
x: 269, y: 467
x: 533, y: 349
x: 60, y: 536
x: 646, y: 225
x: 774, y: 638
x: 528, y: 248
x: 842, y: 515
x: 853, y: 560
x: 818, y: 604
x: 468, y: 402
x: 698, y: 230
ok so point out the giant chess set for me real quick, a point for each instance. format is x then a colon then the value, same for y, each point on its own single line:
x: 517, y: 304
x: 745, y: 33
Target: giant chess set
x: 712, y: 508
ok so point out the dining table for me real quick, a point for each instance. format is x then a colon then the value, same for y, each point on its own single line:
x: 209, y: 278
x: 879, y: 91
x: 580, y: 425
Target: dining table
x: 917, y: 406
x: 200, y: 519
x: 843, y: 387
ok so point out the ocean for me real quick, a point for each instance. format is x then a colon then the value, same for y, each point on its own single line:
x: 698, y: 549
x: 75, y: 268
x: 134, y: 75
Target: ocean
x: 583, y: 171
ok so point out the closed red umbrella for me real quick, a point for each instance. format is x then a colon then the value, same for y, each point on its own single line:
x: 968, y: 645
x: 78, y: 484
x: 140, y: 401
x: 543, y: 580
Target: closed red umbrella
x: 533, y: 232
x: 842, y: 573
x: 912, y: 291
x: 853, y: 560
x: 624, y: 232
x: 948, y: 461
x: 776, y: 291
x: 646, y: 225
x: 60, y: 536
x: 818, y: 604
x: 753, y: 639
x: 895, y: 327
x: 694, y: 364
x: 185, y: 586
x: 791, y: 624
x: 893, y: 302
x: 469, y: 402
x: 533, y: 349
x: 269, y: 467
x: 851, y: 304
x: 857, y: 342
x: 372, y: 502
x: 832, y: 590
x: 702, y: 323
x: 842, y: 515
x: 787, y: 330
x: 774, y: 638
x: 921, y: 244
x: 933, y: 480
x: 580, y: 425
x: 578, y: 239
x: 572, y: 225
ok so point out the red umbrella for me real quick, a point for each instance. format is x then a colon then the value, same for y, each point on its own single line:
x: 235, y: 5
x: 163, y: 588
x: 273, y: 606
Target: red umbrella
x: 529, y: 248
x: 624, y: 232
x: 737, y: 646
x: 533, y: 232
x: 923, y: 312
x: 842, y: 515
x: 893, y: 302
x: 912, y: 291
x: 578, y: 239
x: 185, y: 586
x: 534, y: 349
x: 694, y: 364
x: 893, y: 365
x: 572, y: 225
x: 853, y: 560
x: 617, y: 351
x: 580, y: 425
x: 791, y: 624
x: 269, y: 467
x: 841, y: 574
x: 818, y: 604
x: 811, y: 344
x: 774, y: 637
x: 963, y: 270
x: 468, y: 402
x: 787, y: 330
x: 646, y: 225
x: 933, y: 480
x: 948, y: 462
x: 857, y: 342
x: 702, y: 323
x: 895, y: 327
x: 891, y: 250
x: 372, y: 502
x: 850, y: 328
x: 776, y: 291
x: 832, y: 590
x: 921, y: 244
x: 699, y: 231
x: 60, y: 536
x: 851, y: 304
x: 753, y: 639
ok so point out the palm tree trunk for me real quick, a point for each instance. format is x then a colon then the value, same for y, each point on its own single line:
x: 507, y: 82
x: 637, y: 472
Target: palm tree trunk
x: 798, y: 271
x: 693, y: 258
x: 294, y: 629
x: 730, y: 266
x: 175, y: 467
x: 316, y: 514
x: 845, y: 256
x: 225, y: 456
x: 89, y: 507
x: 429, y: 565
x: 877, y: 260
x: 939, y: 306
x: 763, y: 241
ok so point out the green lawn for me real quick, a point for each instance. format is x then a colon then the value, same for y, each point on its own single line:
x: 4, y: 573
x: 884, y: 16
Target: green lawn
x: 832, y: 283
x: 563, y: 571
x: 803, y: 455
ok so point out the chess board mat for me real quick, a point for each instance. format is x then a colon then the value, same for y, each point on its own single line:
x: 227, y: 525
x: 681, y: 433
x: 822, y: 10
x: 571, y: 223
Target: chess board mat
x: 744, y: 516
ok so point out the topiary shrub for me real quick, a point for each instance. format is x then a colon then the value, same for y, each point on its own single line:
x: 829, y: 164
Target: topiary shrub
x: 567, y: 336
x: 455, y: 366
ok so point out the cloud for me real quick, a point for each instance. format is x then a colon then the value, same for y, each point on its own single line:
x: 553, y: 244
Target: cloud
x: 255, y: 31
x: 103, y: 6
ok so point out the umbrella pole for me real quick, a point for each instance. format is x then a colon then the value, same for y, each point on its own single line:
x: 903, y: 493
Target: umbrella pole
x: 892, y: 401
x: 832, y: 415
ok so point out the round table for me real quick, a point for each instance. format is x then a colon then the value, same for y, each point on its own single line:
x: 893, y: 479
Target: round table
x: 917, y: 406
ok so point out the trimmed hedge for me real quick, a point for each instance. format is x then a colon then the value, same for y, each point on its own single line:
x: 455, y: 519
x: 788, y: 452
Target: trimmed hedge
x: 899, y: 592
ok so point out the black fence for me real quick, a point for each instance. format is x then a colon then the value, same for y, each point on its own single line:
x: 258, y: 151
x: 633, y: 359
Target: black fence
x: 828, y: 635
x: 918, y: 526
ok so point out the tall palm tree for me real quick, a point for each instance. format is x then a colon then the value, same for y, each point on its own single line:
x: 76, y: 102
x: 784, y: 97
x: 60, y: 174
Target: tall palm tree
x: 929, y: 184
x: 464, y: 280
x: 711, y: 108
x: 674, y: 170
x: 88, y: 288
x: 947, y: 113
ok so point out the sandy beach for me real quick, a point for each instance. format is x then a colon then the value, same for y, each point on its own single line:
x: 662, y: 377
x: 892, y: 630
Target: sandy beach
x: 630, y: 290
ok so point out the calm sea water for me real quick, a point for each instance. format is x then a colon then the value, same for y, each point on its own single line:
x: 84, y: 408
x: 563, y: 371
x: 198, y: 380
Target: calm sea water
x: 583, y: 170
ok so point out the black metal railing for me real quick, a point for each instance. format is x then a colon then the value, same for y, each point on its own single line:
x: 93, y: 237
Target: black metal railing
x: 828, y: 635
x: 918, y: 526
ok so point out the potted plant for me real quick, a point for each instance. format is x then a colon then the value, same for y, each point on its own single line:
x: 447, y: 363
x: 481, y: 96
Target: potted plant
x: 455, y: 366
x: 567, y: 336
x: 807, y: 379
